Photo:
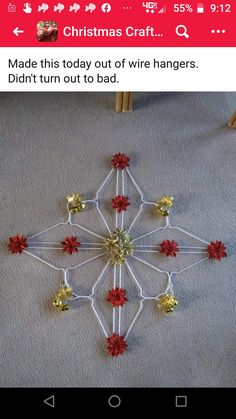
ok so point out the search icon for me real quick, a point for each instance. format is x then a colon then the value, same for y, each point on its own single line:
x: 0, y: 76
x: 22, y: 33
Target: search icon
x: 181, y: 30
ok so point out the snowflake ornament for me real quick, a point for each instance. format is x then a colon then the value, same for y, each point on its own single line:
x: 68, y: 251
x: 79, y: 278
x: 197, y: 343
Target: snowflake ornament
x: 117, y: 247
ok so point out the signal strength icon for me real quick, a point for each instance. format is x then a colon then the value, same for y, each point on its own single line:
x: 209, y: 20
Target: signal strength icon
x: 163, y: 10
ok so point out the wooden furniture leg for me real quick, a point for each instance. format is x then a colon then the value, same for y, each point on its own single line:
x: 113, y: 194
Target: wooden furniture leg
x: 124, y: 101
x: 232, y: 121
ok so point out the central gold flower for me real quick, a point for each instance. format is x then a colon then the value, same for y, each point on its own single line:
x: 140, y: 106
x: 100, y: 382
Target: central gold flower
x: 118, y: 245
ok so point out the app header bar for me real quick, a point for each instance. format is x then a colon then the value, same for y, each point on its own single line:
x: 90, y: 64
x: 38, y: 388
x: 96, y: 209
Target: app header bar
x: 124, y: 23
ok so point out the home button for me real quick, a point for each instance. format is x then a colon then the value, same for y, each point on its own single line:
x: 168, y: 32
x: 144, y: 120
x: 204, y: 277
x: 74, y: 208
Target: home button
x: 114, y: 401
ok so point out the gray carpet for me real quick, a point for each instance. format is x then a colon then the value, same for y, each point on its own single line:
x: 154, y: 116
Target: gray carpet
x: 55, y: 144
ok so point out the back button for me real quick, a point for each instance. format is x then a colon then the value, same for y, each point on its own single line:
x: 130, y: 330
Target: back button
x: 50, y: 401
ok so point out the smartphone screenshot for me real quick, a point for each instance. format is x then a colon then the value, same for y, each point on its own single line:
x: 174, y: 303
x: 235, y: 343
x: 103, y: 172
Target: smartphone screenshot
x: 118, y: 197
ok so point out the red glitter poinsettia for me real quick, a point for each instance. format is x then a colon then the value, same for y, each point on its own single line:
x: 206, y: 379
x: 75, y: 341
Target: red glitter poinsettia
x: 217, y: 250
x: 120, y: 161
x: 169, y: 248
x: 116, y: 345
x: 117, y: 297
x: 70, y: 245
x: 120, y: 203
x: 17, y: 244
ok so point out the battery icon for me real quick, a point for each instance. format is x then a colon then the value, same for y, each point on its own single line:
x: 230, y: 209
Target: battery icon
x: 200, y: 8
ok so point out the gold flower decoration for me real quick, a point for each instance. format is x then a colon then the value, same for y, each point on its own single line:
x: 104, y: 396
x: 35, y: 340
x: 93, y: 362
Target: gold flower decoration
x: 63, y: 294
x: 163, y: 205
x: 118, y: 245
x: 167, y: 303
x: 75, y: 202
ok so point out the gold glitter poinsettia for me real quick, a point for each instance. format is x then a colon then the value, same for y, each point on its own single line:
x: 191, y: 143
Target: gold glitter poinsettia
x: 118, y: 245
x: 75, y: 202
x: 63, y: 294
x: 163, y: 205
x: 167, y: 303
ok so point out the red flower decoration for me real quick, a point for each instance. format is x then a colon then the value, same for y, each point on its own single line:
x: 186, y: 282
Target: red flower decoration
x: 116, y: 345
x: 169, y: 248
x: 120, y: 202
x: 70, y: 245
x: 217, y: 250
x: 120, y: 161
x: 117, y: 297
x: 17, y: 244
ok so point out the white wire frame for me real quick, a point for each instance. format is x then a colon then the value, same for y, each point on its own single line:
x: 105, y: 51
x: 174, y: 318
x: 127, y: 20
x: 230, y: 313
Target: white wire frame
x: 118, y: 277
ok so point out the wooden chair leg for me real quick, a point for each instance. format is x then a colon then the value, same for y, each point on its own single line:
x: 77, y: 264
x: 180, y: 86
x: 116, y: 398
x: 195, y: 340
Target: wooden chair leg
x: 232, y: 121
x: 124, y: 102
